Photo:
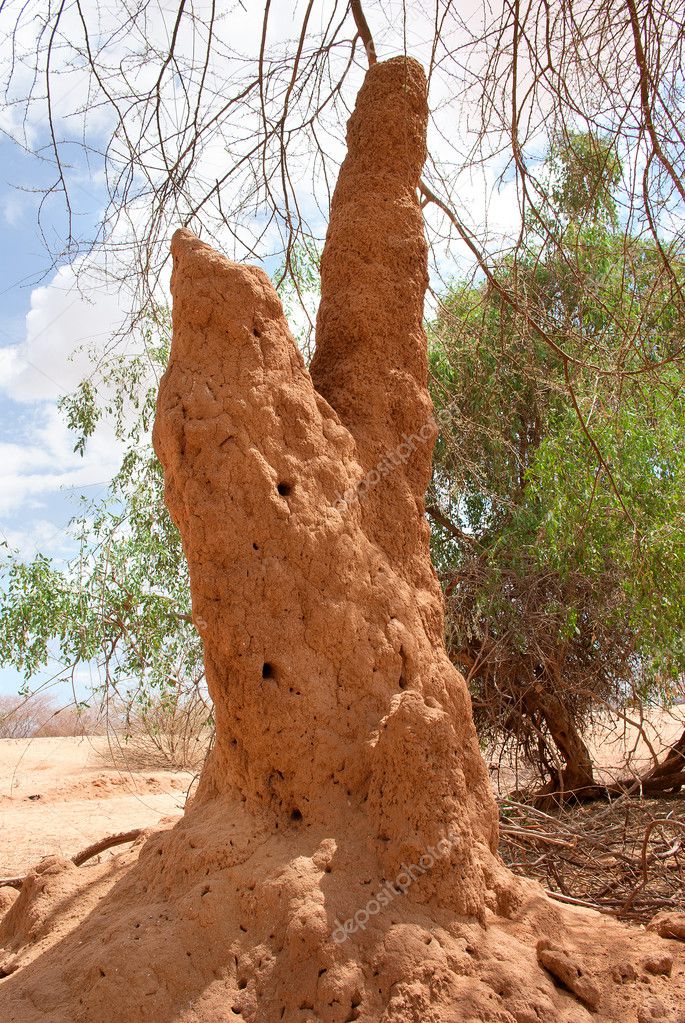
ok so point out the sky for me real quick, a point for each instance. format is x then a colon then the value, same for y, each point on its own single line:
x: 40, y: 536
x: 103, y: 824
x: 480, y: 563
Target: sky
x: 51, y: 313
x: 43, y: 323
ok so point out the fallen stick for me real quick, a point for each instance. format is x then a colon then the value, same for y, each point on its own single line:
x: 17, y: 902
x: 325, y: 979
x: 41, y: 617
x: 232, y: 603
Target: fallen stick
x: 532, y: 836
x: 11, y: 882
x: 106, y: 843
x: 558, y: 897
x: 87, y: 854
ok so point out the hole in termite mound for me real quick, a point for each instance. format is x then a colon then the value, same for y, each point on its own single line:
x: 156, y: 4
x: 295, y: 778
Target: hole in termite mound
x: 284, y: 488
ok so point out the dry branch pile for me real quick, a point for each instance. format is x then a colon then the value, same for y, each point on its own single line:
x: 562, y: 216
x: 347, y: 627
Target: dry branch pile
x: 625, y: 858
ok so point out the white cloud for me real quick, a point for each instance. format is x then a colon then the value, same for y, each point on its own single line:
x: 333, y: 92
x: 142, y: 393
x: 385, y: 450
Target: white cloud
x: 12, y: 208
x: 63, y: 323
x: 40, y: 535
x: 37, y: 460
x: 42, y: 463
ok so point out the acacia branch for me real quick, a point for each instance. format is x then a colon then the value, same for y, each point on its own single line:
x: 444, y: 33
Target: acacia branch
x: 645, y: 83
x: 363, y: 30
x: 447, y: 524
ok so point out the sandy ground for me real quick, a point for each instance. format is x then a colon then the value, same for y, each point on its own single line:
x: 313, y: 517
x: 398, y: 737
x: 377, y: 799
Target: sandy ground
x: 58, y: 795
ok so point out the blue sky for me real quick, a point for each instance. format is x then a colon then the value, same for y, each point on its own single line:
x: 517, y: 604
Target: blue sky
x: 43, y: 321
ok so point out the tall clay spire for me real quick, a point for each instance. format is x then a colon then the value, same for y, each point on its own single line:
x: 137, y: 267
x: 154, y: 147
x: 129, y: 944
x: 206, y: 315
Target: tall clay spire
x: 299, y: 500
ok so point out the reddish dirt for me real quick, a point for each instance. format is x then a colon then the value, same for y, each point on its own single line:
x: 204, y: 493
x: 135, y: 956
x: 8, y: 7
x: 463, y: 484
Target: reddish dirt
x: 338, y: 861
x: 58, y: 795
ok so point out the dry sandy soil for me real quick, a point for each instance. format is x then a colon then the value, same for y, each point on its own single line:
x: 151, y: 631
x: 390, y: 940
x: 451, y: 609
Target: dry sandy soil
x: 59, y: 795
x: 84, y: 798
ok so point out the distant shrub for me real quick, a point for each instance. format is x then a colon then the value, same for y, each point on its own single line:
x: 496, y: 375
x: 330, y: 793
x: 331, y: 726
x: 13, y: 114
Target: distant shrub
x: 170, y: 730
x: 41, y: 716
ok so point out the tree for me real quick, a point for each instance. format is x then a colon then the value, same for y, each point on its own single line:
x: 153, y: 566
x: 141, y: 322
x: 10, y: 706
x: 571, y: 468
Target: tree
x: 121, y: 604
x: 559, y: 490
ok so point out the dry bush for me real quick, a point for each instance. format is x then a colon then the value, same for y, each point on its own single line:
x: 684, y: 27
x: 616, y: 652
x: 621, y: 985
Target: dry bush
x: 171, y: 731
x: 73, y: 720
x: 20, y: 718
x: 40, y: 716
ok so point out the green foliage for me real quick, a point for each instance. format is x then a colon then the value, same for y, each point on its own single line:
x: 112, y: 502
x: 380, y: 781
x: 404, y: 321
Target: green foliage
x: 559, y: 475
x: 81, y: 413
x: 122, y: 603
x: 34, y: 592
x: 585, y: 174
x: 584, y: 528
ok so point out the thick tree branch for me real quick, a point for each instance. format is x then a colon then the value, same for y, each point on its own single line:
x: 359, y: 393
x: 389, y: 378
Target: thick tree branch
x: 363, y: 30
x: 434, y: 513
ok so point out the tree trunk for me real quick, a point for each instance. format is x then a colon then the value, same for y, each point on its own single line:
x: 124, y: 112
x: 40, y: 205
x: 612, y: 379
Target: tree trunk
x: 575, y: 780
x: 668, y: 775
